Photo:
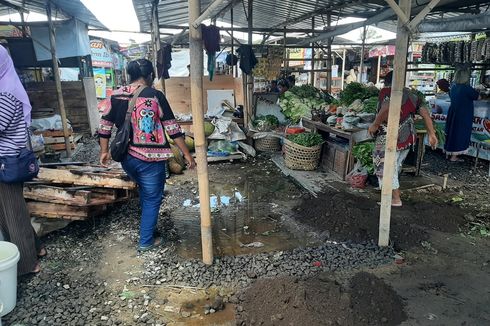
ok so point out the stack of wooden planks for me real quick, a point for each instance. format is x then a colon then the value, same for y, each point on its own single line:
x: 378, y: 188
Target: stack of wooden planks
x: 76, y: 191
x: 54, y: 140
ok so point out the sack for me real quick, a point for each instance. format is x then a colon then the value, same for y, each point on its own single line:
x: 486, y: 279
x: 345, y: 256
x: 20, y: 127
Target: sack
x: 18, y: 169
x: 120, y: 144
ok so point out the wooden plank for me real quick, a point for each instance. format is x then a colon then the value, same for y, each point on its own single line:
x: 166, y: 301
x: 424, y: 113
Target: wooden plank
x: 59, y: 147
x: 52, y: 133
x: 61, y: 176
x: 178, y: 91
x: 56, y: 140
x: 67, y: 212
x: 59, y: 195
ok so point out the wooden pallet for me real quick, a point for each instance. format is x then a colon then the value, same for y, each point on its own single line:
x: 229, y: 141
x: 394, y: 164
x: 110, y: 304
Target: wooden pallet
x: 86, y: 176
x: 66, y: 212
x: 74, y: 196
x: 75, y: 191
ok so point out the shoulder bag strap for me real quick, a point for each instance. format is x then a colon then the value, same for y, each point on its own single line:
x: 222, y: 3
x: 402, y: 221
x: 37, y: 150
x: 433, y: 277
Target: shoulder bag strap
x: 132, y: 103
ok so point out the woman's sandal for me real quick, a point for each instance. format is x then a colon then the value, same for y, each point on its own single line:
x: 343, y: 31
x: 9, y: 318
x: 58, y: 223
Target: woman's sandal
x: 157, y: 243
x: 42, y: 253
x: 36, y: 269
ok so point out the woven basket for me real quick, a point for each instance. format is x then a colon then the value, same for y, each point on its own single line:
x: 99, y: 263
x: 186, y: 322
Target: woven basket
x: 268, y: 144
x: 297, y: 157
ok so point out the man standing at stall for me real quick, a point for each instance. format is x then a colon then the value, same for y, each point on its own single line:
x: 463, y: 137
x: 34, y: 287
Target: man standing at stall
x: 411, y: 105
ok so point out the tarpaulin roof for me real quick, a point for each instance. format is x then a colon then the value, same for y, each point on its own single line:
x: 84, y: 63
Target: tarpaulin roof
x: 64, y: 9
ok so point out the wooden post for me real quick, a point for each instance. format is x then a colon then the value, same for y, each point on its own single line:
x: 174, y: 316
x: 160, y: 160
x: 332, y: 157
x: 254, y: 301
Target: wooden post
x: 196, y: 56
x: 361, y: 66
x: 312, y: 74
x: 57, y: 80
x: 249, y: 79
x: 398, y: 84
x: 155, y: 31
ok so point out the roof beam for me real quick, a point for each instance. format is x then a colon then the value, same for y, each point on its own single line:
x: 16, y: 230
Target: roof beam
x: 398, y: 11
x: 421, y: 15
x: 211, y: 11
x: 315, y: 12
x: 255, y: 29
x: 13, y: 6
x: 385, y: 14
x: 382, y: 16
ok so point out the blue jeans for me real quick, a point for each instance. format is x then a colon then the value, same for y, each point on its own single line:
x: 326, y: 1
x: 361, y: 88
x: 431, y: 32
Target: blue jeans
x: 150, y: 177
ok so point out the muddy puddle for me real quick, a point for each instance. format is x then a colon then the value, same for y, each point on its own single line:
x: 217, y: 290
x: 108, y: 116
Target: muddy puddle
x: 247, y: 216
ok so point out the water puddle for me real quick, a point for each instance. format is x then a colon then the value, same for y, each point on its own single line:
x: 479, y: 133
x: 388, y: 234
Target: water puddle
x: 246, y: 217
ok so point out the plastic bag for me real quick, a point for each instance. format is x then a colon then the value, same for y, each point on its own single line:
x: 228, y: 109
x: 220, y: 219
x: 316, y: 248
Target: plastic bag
x: 222, y: 146
x: 357, y: 177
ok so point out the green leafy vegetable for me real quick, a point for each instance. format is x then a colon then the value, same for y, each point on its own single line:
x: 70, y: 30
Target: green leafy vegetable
x: 266, y: 122
x: 364, y: 154
x: 370, y: 105
x: 300, y: 100
x: 306, y: 139
x: 357, y: 91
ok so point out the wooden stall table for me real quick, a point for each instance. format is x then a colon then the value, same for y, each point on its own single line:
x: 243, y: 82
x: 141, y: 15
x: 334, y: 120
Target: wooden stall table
x: 417, y: 157
x: 351, y: 137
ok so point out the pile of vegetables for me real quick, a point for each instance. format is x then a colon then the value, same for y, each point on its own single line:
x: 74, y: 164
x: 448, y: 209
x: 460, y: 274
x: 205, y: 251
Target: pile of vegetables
x: 357, y: 91
x: 370, y: 105
x: 363, y: 153
x: 266, y: 123
x: 300, y: 100
x: 306, y: 139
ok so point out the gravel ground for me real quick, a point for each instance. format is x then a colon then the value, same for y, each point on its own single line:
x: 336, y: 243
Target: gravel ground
x: 87, y: 151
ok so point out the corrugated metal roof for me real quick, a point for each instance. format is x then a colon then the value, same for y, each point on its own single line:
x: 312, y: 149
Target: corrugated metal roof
x: 65, y: 8
x: 277, y: 13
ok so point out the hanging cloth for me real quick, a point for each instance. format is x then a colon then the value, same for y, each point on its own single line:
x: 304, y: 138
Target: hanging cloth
x: 247, y: 58
x: 211, y: 39
x: 164, y: 61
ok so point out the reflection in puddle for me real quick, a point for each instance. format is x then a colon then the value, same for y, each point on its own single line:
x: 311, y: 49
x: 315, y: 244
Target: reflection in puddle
x: 217, y: 201
x: 245, y: 218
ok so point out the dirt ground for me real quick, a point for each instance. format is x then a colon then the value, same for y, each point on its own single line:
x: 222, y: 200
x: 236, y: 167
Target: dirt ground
x: 441, y: 276
x: 321, y: 300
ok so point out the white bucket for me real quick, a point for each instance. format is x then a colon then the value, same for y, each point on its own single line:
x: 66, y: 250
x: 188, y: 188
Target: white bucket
x: 9, y: 256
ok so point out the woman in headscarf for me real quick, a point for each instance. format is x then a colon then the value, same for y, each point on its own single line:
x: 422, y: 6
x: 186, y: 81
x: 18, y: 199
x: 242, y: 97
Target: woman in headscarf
x: 15, y: 117
x: 459, y: 123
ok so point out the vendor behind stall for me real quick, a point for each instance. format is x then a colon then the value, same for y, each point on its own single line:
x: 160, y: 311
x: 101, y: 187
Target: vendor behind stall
x: 459, y: 123
x: 411, y: 105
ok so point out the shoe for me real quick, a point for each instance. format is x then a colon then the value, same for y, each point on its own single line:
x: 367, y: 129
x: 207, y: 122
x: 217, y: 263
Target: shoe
x: 157, y: 243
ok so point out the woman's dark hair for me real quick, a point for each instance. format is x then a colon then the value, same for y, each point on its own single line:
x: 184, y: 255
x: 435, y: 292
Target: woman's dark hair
x: 140, y: 68
x: 388, y: 78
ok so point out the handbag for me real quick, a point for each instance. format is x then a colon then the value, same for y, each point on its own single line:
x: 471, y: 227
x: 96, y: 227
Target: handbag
x: 20, y: 168
x: 120, y: 144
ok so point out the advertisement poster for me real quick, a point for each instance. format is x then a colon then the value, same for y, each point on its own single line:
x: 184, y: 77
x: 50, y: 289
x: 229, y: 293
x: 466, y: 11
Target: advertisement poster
x: 100, y: 56
x: 481, y: 122
x: 100, y: 82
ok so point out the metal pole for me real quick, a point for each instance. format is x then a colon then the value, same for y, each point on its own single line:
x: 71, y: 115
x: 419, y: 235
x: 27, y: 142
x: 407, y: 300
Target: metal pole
x: 312, y: 74
x: 343, y: 70
x: 156, y: 42
x: 399, y: 71
x: 234, y: 67
x: 196, y: 81
x: 361, y: 66
x: 378, y: 71
x: 329, y: 57
x: 57, y: 80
